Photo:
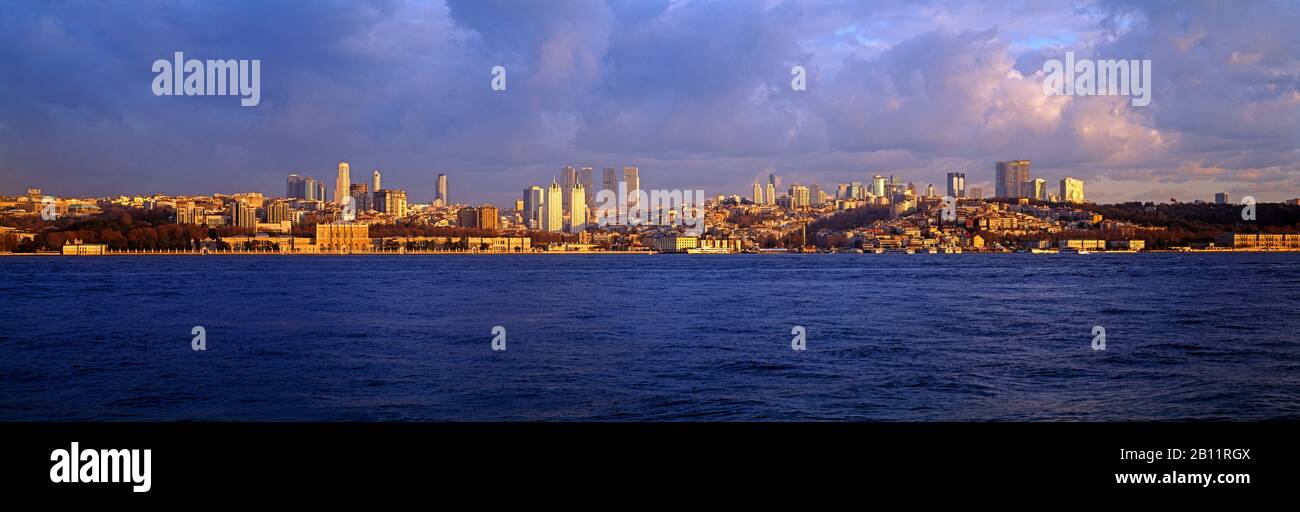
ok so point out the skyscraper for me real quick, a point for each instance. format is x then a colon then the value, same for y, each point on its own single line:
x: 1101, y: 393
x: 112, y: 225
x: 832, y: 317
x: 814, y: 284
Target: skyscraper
x: 1038, y: 189
x: 957, y: 184
x: 295, y: 187
x: 771, y: 180
x: 578, y: 208
x: 609, y: 179
x: 361, y: 196
x: 758, y: 193
x: 632, y: 176
x: 588, y: 186
x: 1071, y: 190
x: 770, y: 197
x: 1011, y: 178
x: 374, y: 181
x: 534, y: 197
x: 799, y: 196
x: 341, y: 183
x: 440, y: 195
x: 553, y: 209
x: 568, y: 178
x: 878, y: 186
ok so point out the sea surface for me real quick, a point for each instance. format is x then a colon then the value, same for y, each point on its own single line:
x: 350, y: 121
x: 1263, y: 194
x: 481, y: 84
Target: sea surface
x: 963, y: 337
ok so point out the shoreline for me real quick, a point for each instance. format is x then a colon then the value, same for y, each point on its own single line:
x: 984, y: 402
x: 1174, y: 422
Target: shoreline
x: 540, y: 253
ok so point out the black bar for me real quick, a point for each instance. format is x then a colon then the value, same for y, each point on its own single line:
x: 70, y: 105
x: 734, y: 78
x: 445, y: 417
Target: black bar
x: 245, y: 459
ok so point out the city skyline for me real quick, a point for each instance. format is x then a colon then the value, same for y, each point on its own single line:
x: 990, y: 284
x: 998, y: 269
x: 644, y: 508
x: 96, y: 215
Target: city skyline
x: 1216, y: 122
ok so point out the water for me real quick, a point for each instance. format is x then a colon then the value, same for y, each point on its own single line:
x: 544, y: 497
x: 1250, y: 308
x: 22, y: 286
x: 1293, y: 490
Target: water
x: 621, y: 337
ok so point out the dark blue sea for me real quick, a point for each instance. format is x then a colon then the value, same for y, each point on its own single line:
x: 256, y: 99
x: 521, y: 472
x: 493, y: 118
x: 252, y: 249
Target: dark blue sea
x: 618, y: 337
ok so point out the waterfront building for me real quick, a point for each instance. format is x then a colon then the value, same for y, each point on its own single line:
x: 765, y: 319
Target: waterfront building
x: 675, y: 243
x: 343, y: 237
x: 79, y: 248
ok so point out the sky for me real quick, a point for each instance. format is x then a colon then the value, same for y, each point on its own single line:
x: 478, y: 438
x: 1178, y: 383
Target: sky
x: 696, y: 94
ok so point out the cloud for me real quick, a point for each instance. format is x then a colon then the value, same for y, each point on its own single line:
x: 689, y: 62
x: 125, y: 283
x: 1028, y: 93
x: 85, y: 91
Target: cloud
x: 695, y: 93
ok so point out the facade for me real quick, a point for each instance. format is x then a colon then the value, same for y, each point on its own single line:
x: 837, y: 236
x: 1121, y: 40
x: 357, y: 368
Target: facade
x: 498, y: 243
x: 799, y: 196
x: 676, y: 243
x: 341, y: 183
x: 1010, y: 179
x: 568, y: 178
x: 391, y: 201
x: 1071, y: 190
x: 440, y: 195
x: 340, y: 237
x: 534, y: 197
x: 277, y: 211
x: 553, y: 209
x: 577, y: 208
x: 1086, y: 244
x: 482, y: 217
x: 632, y: 176
x: 1258, y: 240
x: 609, y: 179
x: 190, y: 213
x: 957, y: 184
x: 361, y: 196
x: 588, y: 187
x: 309, y: 188
x: 243, y: 215
x: 78, y: 248
x: 1039, y: 189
